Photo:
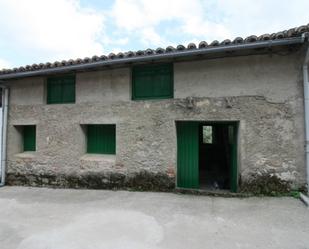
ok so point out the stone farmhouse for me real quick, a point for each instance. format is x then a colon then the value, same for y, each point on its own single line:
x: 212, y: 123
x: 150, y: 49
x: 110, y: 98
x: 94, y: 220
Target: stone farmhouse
x: 223, y: 116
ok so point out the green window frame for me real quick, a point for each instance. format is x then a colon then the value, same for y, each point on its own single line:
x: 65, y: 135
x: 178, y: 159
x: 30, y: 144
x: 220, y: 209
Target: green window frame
x: 152, y: 82
x: 61, y: 90
x: 29, y: 138
x: 101, y: 139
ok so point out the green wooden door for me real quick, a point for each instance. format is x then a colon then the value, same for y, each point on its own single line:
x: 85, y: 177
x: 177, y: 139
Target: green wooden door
x: 188, y: 154
x: 233, y: 152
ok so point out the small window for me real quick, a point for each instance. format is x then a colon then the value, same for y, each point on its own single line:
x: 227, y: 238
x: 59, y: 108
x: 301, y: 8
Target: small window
x: 152, y: 82
x: 61, y: 90
x: 101, y: 139
x: 29, y: 138
x: 207, y: 135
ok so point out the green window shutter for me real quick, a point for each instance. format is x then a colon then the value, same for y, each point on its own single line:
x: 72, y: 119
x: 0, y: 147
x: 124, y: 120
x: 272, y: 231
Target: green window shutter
x: 68, y: 90
x: 61, y: 90
x: 163, y: 82
x: 29, y: 137
x: 143, y: 85
x: 101, y: 139
x: 152, y: 82
x: 53, y: 91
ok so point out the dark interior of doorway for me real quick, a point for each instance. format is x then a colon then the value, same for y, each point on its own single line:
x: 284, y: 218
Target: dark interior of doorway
x: 215, y: 156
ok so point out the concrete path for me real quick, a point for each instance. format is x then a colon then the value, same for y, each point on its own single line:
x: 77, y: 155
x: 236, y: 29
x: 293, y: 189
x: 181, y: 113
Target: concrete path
x: 40, y: 218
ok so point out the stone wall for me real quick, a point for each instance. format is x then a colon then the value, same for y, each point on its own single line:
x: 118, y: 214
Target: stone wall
x: 263, y: 93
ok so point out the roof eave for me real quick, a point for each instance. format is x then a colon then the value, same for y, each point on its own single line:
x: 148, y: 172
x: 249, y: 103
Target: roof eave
x: 155, y: 57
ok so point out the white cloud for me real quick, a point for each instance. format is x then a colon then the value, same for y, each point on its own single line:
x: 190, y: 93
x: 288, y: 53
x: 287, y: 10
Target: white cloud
x: 143, y: 16
x: 4, y: 64
x: 109, y: 40
x: 243, y: 17
x: 209, y: 20
x: 44, y: 30
x: 122, y: 41
x: 58, y: 29
x: 198, y: 27
x: 149, y: 37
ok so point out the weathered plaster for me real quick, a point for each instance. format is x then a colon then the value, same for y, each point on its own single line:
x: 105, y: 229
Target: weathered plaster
x: 264, y: 93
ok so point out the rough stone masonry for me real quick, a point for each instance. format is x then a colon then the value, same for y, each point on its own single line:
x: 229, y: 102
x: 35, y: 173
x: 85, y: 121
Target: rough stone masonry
x: 263, y: 92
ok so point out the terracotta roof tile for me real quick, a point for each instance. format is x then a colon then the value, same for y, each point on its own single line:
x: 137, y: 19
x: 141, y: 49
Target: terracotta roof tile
x: 226, y: 42
x: 149, y: 51
x: 103, y: 58
x: 214, y: 43
x: 202, y: 44
x: 95, y: 58
x: 191, y: 46
x: 169, y: 49
x: 129, y: 54
x: 290, y: 33
x: 120, y: 55
x: 160, y: 50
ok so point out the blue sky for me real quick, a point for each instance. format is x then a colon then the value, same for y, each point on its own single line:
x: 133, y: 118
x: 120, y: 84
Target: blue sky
x: 35, y: 31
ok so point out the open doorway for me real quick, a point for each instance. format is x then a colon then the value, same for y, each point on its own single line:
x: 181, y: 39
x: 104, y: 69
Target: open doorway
x: 207, y: 155
x: 215, y: 155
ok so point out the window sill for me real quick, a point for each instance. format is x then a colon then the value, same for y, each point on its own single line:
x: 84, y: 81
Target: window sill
x: 26, y: 155
x: 61, y: 103
x: 151, y: 98
x: 99, y: 158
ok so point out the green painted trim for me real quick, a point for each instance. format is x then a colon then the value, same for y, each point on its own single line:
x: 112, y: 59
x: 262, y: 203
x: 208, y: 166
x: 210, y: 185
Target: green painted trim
x: 146, y: 69
x: 101, y: 139
x: 234, y: 162
x: 234, y: 148
x: 61, y: 89
x: 29, y: 138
